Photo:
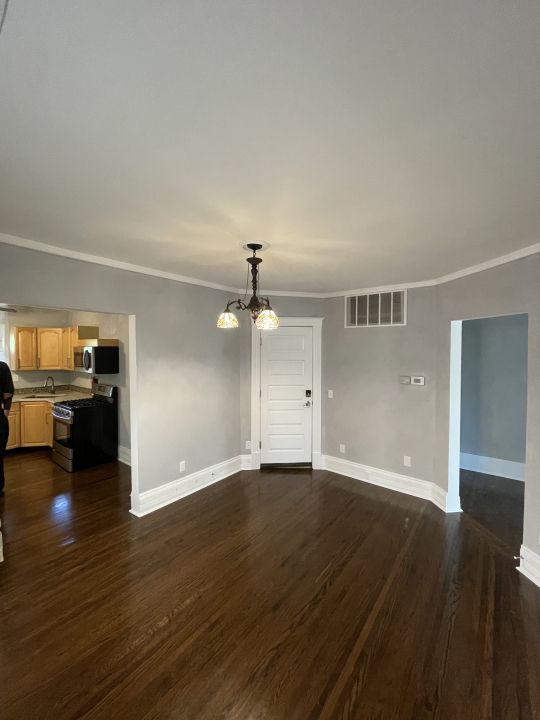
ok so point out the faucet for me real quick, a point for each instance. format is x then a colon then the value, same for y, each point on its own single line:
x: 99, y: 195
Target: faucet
x: 51, y: 388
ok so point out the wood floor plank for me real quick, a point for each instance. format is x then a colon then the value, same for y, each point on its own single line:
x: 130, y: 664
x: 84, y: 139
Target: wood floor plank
x: 292, y: 595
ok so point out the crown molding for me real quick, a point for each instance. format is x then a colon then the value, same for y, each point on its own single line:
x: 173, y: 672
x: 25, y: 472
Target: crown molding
x: 142, y: 269
x: 108, y: 262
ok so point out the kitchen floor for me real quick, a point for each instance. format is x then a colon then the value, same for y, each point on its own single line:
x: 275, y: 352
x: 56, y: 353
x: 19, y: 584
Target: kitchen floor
x: 291, y: 595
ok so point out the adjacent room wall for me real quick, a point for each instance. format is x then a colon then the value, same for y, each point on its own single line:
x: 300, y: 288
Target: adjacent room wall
x: 494, y: 387
x: 188, y: 370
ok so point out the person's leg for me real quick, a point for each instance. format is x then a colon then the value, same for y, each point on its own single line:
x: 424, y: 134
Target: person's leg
x: 4, y: 433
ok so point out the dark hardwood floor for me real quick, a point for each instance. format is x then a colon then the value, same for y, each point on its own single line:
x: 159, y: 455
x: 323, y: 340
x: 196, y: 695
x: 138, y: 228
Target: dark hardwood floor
x: 283, y: 595
x: 496, y: 503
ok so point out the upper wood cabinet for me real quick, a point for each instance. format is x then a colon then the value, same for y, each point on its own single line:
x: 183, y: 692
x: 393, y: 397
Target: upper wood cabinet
x: 25, y: 348
x: 67, y: 348
x: 49, y: 349
x: 35, y: 429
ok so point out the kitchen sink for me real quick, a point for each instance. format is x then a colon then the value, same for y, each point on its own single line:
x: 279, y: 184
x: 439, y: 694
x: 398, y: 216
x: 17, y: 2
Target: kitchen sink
x: 47, y: 395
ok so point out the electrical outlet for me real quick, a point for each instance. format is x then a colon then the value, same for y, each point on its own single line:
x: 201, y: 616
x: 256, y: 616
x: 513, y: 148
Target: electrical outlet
x: 14, y: 377
x: 342, y: 448
x: 331, y: 394
x: 182, y: 466
x: 407, y: 460
x: 248, y: 444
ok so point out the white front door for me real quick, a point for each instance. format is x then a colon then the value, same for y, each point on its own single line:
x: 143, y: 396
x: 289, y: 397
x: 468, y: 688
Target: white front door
x: 286, y: 395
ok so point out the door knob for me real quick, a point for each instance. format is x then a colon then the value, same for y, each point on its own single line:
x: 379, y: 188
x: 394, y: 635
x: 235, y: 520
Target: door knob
x: 307, y: 403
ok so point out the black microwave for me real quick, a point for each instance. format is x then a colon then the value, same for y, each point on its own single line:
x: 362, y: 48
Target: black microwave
x: 101, y: 360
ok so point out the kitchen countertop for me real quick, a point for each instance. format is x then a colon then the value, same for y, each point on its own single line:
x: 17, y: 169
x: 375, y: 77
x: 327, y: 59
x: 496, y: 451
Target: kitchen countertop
x: 48, y: 397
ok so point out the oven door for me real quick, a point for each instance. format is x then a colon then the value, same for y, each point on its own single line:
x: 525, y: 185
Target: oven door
x: 83, y: 359
x: 63, y: 437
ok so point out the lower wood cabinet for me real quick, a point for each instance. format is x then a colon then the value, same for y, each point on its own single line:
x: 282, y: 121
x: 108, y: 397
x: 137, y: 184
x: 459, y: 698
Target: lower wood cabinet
x: 14, y: 418
x: 36, y: 424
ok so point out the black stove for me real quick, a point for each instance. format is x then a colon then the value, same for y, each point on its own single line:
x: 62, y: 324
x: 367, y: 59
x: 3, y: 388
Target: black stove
x: 86, y: 430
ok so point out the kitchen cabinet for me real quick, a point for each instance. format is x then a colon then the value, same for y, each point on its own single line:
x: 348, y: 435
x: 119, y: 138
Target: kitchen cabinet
x: 49, y: 422
x: 14, y: 418
x: 36, y: 424
x: 25, y: 348
x: 67, y: 347
x: 49, y: 349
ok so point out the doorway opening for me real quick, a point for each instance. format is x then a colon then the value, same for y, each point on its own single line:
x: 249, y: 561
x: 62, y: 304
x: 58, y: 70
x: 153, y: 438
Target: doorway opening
x: 490, y: 434
x: 72, y: 434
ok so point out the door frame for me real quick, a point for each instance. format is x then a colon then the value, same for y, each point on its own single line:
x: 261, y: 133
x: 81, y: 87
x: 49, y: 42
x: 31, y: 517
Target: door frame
x: 316, y: 428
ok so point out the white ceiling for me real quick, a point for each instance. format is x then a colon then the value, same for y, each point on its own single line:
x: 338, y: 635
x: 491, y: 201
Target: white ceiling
x: 369, y: 143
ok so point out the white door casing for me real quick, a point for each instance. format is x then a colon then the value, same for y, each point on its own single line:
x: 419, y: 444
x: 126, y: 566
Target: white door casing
x: 316, y: 400
x: 286, y: 395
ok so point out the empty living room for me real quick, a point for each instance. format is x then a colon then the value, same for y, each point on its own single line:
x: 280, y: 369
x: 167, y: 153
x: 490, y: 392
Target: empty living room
x: 269, y: 360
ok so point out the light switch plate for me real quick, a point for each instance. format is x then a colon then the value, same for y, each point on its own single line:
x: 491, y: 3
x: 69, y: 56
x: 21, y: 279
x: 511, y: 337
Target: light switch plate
x: 331, y: 394
x: 418, y: 380
x: 404, y: 379
x: 248, y: 444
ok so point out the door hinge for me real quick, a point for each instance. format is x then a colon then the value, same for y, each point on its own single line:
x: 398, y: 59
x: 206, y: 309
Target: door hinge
x: 260, y: 444
x: 260, y: 340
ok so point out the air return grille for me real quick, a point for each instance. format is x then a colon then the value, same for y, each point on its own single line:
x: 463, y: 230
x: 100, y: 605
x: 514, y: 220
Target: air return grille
x: 376, y: 309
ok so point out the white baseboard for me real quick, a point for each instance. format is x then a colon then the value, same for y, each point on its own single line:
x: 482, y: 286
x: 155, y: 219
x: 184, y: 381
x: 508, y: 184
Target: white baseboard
x: 392, y: 481
x: 530, y: 565
x: 170, y: 492
x: 124, y: 454
x: 245, y: 462
x: 492, y: 466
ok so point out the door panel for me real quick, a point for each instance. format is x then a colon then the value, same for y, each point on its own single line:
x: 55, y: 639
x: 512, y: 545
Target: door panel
x: 25, y: 344
x: 286, y: 412
x: 50, y: 348
x: 34, y: 428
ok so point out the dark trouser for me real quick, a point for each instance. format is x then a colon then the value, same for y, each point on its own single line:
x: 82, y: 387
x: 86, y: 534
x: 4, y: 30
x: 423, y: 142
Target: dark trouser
x: 4, y: 433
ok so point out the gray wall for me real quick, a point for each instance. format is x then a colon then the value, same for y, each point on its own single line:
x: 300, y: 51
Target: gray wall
x: 188, y: 370
x: 381, y: 421
x: 377, y: 419
x: 494, y: 387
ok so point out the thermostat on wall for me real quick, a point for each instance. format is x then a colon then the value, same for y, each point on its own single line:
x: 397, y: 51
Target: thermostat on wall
x: 418, y: 380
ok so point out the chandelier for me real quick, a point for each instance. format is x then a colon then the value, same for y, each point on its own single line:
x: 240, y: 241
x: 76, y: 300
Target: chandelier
x: 259, y: 307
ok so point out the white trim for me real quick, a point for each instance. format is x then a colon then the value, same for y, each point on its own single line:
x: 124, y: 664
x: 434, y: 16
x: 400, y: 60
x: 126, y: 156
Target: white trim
x: 454, y: 413
x: 316, y: 446
x: 493, y: 466
x: 119, y: 264
x: 391, y: 481
x: 245, y: 462
x: 124, y: 455
x: 530, y: 565
x: 133, y: 414
x: 177, y: 489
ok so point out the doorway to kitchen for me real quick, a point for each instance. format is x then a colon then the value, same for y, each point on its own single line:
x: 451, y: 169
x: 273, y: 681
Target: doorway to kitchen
x: 72, y: 416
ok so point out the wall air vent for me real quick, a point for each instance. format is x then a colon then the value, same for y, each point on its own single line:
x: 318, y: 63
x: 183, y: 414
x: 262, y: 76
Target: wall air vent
x: 379, y: 309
